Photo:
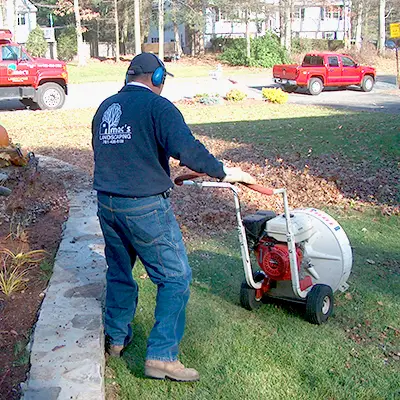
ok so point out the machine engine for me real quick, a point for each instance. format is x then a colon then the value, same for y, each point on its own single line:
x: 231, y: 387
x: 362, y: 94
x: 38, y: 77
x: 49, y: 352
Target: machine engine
x: 273, y: 259
x: 266, y: 234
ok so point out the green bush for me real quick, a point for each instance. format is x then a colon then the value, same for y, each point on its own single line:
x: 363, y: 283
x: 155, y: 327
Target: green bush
x: 265, y: 51
x: 235, y: 95
x: 277, y: 96
x: 67, y: 47
x: 36, y: 43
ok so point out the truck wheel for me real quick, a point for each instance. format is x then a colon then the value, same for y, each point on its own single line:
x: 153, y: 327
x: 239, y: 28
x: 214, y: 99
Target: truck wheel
x: 51, y: 96
x: 315, y: 86
x: 367, y: 83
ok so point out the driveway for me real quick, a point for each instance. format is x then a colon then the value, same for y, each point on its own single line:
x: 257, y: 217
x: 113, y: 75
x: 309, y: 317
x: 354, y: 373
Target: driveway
x: 385, y: 97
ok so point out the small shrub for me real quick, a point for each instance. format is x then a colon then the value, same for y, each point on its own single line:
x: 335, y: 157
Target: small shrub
x: 67, y: 47
x: 277, y: 96
x: 36, y: 43
x: 235, y: 95
x: 265, y: 51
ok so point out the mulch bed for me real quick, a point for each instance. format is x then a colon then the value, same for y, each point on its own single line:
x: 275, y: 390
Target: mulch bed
x: 31, y: 218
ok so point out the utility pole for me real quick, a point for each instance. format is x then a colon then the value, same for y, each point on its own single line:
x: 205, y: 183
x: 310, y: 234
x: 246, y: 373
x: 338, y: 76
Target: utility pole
x: 117, y: 55
x: 138, y: 45
x: 161, y: 29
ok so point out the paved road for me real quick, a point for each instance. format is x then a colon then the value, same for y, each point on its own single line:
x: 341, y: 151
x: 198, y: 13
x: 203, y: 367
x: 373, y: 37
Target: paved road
x: 384, y: 98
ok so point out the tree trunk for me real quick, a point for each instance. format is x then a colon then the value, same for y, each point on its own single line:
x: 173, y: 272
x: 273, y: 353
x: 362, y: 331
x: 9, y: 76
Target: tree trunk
x: 117, y: 55
x: 79, y: 37
x: 358, y: 38
x: 346, y: 25
x: 247, y: 36
x: 161, y: 29
x: 138, y: 47
x: 15, y: 22
x: 288, y: 25
x: 178, y: 45
x: 124, y: 31
x: 282, y: 22
x: 382, y: 27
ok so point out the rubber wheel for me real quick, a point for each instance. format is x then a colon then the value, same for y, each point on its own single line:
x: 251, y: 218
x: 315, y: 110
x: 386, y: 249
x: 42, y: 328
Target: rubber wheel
x: 248, y: 294
x: 51, y: 96
x: 319, y: 304
x: 367, y: 83
x: 30, y: 104
x: 289, y: 89
x: 315, y: 86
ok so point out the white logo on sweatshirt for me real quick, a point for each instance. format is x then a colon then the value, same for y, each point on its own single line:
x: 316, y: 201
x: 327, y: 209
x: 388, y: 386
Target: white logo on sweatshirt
x: 110, y: 132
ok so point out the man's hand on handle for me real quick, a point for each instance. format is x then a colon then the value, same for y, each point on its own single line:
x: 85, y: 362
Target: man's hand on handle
x: 237, y: 175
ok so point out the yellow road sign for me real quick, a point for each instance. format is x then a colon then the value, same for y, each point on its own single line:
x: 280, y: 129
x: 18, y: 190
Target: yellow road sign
x: 395, y: 30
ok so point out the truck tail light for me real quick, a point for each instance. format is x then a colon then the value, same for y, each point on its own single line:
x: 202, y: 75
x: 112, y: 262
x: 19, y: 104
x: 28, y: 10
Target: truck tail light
x: 64, y: 67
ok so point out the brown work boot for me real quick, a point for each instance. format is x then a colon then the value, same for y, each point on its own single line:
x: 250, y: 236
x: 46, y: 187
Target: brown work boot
x: 115, y: 351
x: 170, y: 369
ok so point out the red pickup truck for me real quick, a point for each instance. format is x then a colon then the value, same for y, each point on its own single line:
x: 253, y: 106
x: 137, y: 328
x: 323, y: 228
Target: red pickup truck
x: 36, y: 82
x: 324, y: 69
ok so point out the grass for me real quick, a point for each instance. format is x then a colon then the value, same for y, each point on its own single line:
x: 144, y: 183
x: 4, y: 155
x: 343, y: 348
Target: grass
x: 277, y: 129
x: 272, y: 352
x: 108, y: 71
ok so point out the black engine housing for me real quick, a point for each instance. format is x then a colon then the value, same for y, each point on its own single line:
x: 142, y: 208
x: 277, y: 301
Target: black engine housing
x: 255, y: 224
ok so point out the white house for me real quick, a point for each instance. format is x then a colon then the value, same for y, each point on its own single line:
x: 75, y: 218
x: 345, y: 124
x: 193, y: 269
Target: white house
x: 322, y: 20
x: 21, y: 20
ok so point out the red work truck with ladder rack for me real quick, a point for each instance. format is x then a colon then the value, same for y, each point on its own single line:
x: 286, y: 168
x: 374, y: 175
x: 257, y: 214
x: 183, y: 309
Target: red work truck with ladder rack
x: 36, y: 82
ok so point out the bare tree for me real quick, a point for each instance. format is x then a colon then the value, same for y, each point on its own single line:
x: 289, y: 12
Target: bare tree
x: 161, y: 29
x: 117, y: 55
x: 382, y: 27
x: 138, y: 47
x: 79, y: 37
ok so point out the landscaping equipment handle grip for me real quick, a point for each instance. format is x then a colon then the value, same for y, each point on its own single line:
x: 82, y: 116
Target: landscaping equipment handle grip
x: 187, y: 177
x: 193, y: 175
x: 259, y: 189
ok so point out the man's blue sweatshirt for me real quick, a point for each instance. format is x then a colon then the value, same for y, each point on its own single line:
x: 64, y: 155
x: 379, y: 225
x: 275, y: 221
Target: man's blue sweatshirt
x: 135, y: 132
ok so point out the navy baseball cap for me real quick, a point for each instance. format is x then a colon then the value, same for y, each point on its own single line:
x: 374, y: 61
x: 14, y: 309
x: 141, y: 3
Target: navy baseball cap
x: 145, y: 63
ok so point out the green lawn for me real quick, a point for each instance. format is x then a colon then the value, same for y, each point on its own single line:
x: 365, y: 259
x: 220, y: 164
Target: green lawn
x: 107, y: 71
x: 273, y: 353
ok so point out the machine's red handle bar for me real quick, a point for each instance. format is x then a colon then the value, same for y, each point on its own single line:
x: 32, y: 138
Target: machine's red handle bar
x: 187, y: 177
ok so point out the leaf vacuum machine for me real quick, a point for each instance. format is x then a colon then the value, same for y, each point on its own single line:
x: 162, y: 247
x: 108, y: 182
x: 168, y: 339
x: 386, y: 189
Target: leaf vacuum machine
x: 303, y: 255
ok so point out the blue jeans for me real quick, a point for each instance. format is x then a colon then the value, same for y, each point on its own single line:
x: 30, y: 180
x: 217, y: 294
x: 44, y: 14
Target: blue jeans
x: 146, y: 228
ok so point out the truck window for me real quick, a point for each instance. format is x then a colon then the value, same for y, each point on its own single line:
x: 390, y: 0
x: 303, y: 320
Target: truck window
x: 333, y: 61
x: 348, y: 62
x: 9, y: 53
x: 313, y: 60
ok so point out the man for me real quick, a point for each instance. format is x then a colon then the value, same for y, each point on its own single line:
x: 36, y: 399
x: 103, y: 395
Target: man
x: 135, y: 132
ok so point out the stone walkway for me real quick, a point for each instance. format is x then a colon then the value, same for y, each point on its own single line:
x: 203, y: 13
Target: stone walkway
x: 67, y: 347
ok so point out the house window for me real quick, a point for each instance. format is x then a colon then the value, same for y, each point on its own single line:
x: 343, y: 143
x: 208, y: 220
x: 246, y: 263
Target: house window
x: 328, y: 35
x: 299, y: 13
x: 216, y: 13
x: 155, y: 40
x: 332, y: 13
x: 21, y: 19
